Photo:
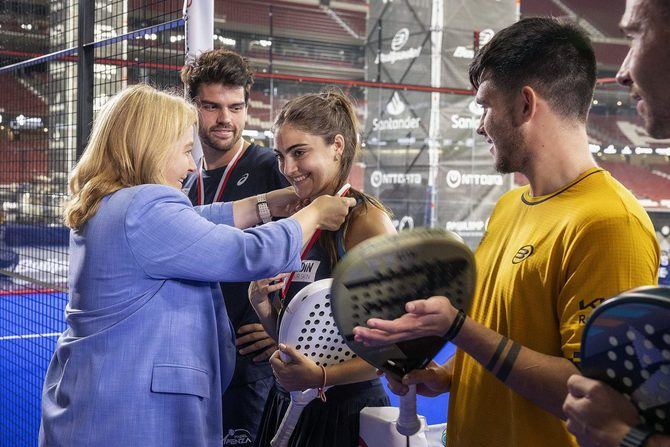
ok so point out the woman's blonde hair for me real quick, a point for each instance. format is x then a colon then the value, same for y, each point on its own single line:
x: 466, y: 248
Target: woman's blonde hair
x: 132, y: 138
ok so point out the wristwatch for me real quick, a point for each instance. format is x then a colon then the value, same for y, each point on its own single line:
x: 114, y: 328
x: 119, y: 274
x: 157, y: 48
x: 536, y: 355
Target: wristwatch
x: 636, y: 437
x: 263, y: 208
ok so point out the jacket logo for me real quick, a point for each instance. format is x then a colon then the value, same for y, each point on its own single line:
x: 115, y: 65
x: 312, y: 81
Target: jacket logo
x: 523, y: 253
x: 237, y: 436
x: 243, y: 179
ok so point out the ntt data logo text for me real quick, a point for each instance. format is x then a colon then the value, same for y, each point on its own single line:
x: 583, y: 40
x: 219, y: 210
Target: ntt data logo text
x: 456, y: 178
x: 378, y: 178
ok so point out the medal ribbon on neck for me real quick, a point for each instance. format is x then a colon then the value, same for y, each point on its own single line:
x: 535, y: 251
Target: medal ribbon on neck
x: 200, y: 191
x: 345, y: 189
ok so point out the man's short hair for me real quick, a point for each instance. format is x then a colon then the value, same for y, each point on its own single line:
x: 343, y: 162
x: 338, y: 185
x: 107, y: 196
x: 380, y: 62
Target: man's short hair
x: 218, y: 66
x: 553, y: 56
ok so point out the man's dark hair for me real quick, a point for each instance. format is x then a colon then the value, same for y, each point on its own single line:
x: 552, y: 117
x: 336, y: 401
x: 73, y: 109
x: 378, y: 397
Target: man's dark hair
x: 219, y: 66
x: 662, y: 7
x: 552, y: 56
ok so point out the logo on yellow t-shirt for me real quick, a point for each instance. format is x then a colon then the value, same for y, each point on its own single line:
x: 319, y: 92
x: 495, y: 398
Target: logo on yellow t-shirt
x: 523, y: 253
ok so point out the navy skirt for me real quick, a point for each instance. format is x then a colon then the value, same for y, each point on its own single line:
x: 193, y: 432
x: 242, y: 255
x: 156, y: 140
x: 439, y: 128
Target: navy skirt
x: 334, y: 423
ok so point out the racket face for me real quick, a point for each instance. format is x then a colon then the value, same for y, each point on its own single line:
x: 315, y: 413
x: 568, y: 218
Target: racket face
x: 308, y: 326
x: 626, y: 344
x: 379, y: 276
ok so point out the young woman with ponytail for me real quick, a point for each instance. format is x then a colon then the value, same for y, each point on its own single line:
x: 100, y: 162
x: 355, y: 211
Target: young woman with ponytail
x: 316, y: 141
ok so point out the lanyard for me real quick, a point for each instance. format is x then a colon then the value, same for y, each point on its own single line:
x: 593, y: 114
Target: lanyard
x: 310, y: 244
x: 200, y: 190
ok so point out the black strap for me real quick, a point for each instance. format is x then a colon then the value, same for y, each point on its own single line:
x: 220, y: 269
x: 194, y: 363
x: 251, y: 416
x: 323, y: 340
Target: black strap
x: 456, y: 326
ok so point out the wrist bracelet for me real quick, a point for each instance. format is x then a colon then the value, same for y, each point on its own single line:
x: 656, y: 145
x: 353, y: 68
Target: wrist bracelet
x: 321, y: 391
x: 456, y: 326
x: 636, y: 436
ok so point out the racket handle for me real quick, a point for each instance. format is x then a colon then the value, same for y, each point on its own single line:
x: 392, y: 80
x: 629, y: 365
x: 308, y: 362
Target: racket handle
x: 408, y: 422
x: 284, y: 357
x: 287, y: 425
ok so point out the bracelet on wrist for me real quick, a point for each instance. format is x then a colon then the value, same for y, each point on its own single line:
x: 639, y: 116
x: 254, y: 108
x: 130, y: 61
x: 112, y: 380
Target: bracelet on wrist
x: 456, y: 326
x: 321, y: 391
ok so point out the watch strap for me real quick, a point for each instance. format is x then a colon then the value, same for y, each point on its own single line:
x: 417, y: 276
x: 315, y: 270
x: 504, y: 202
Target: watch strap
x: 263, y: 208
x: 636, y: 436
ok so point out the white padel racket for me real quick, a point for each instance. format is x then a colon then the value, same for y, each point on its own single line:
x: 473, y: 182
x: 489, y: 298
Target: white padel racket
x: 308, y: 325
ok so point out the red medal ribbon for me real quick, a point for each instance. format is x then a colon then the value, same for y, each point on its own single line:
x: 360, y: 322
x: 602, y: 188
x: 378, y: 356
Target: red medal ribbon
x: 200, y: 191
x: 345, y: 189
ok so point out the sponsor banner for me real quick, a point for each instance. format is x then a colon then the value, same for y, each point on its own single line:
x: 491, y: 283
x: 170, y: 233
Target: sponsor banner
x: 467, y: 226
x: 398, y: 49
x: 408, y: 132
x: 468, y: 26
x: 378, y: 178
x: 404, y: 223
x: 397, y: 115
x: 456, y: 179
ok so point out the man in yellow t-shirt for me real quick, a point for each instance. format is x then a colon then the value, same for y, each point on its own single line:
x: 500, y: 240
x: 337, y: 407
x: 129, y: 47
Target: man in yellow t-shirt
x: 553, y: 250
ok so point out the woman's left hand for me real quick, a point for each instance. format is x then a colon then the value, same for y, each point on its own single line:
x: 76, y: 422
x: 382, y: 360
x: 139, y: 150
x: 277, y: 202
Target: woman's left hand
x: 298, y: 373
x: 284, y: 202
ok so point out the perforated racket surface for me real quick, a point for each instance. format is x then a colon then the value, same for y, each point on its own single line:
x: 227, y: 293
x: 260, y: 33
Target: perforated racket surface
x: 307, y: 324
x: 626, y: 344
x: 379, y: 276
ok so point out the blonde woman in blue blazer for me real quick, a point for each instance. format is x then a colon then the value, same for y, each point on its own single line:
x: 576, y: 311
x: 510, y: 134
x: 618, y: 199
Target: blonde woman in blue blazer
x: 149, y: 349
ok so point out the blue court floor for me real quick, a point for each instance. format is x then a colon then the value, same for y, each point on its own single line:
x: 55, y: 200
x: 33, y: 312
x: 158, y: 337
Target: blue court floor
x: 30, y: 322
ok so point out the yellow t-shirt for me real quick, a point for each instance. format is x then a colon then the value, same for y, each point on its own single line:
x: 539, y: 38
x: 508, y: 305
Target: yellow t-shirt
x: 543, y: 265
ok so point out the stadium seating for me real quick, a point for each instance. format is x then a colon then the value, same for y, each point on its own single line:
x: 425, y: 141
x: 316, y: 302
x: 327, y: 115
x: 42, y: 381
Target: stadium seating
x: 22, y: 100
x: 641, y: 181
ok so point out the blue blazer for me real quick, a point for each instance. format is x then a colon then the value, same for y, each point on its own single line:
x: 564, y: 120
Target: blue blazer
x: 149, y: 348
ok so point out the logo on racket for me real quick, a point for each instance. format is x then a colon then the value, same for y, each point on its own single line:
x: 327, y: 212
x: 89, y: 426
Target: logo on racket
x: 523, y: 254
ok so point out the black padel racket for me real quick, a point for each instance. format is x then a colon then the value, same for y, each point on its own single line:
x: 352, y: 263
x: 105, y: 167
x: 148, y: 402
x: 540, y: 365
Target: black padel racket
x: 626, y: 344
x: 379, y: 276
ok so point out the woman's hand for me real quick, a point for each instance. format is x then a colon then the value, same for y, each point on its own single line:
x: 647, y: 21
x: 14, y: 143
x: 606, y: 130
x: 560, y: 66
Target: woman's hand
x: 325, y: 212
x: 332, y: 211
x: 259, y: 291
x: 298, y: 373
x: 284, y: 202
x: 259, y: 297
